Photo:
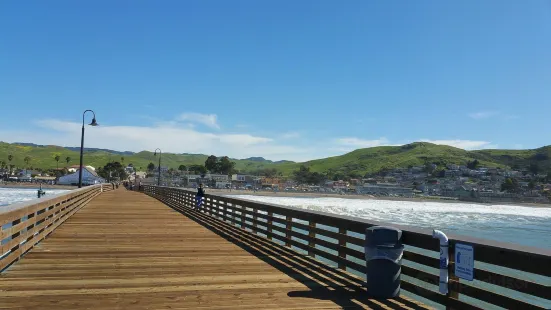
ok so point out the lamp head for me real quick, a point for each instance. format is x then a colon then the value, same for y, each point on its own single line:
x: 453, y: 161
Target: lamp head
x: 94, y: 123
x: 155, y: 154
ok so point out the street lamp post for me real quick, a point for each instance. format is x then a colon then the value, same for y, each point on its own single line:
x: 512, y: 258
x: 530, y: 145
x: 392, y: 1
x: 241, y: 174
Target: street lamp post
x: 93, y: 123
x: 158, y: 168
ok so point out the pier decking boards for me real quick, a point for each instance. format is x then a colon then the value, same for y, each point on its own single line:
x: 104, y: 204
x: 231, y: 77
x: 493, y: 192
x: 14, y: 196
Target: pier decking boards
x: 126, y: 250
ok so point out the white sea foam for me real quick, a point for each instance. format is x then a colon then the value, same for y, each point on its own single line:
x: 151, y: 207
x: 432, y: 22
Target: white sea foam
x: 525, y: 225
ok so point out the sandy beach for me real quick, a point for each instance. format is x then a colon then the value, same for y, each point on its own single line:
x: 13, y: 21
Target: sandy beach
x: 364, y: 197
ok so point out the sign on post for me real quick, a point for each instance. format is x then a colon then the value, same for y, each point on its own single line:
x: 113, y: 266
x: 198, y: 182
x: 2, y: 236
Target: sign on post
x: 464, y: 261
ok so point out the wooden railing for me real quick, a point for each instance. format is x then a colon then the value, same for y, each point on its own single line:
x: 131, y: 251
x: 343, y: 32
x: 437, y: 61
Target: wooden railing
x: 23, y: 225
x: 506, y: 275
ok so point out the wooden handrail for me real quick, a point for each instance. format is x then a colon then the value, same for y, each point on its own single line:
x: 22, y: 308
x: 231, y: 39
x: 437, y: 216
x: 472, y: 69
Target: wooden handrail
x: 339, y: 240
x: 23, y: 225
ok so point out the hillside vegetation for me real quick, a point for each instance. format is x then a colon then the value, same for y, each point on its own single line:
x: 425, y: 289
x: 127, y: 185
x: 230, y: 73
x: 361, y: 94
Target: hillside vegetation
x: 43, y: 157
x: 375, y: 159
x: 358, y: 162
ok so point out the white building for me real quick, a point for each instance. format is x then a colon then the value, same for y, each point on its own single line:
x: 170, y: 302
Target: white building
x: 89, y: 177
x: 74, y: 168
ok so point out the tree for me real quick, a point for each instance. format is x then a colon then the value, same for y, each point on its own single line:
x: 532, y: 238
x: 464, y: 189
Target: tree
x: 27, y: 160
x: 182, y: 168
x: 113, y: 169
x: 304, y: 176
x: 151, y: 167
x: 531, y: 185
x: 225, y: 165
x: 429, y: 167
x: 315, y: 178
x: 57, y: 157
x: 534, y: 168
x: 211, y: 164
x: 198, y: 169
x: 473, y: 164
x: 122, y: 160
x: 301, y: 175
x: 10, y: 158
x: 510, y: 185
x: 67, y: 159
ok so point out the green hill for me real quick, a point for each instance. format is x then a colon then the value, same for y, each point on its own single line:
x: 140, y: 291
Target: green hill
x: 358, y: 162
x: 370, y: 160
x: 43, y: 157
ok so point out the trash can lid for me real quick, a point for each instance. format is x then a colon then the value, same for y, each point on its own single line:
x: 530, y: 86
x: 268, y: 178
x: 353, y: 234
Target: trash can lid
x: 382, y: 236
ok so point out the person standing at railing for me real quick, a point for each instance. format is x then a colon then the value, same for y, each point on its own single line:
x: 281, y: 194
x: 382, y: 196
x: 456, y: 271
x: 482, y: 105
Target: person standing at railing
x: 199, y: 196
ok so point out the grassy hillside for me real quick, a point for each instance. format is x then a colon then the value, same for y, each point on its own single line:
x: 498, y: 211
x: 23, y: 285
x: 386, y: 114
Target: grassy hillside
x: 518, y: 158
x: 360, y: 161
x: 374, y: 159
x: 43, y: 157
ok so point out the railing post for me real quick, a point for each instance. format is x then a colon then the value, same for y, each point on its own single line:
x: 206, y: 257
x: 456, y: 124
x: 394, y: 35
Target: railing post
x: 30, y: 216
x: 453, y: 279
x: 208, y: 207
x: 269, y: 224
x: 311, y: 237
x: 288, y: 228
x: 16, y: 247
x: 254, y: 220
x: 243, y: 217
x: 342, y: 246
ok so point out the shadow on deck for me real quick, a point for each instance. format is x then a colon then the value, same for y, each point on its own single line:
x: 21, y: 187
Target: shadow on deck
x: 325, y: 283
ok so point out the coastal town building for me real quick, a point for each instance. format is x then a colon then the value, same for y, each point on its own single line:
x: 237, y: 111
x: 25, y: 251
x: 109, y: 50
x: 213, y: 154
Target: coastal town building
x: 89, y: 177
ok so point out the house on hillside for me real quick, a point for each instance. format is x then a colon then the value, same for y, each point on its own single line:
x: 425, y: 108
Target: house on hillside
x: 89, y: 177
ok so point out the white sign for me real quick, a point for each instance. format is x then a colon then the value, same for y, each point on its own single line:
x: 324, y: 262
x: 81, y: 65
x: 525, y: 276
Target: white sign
x: 464, y: 261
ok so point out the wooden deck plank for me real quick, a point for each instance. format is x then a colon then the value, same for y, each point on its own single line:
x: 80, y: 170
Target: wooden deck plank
x: 126, y: 250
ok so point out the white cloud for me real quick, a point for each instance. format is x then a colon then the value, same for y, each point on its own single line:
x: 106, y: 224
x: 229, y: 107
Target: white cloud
x: 181, y: 137
x: 169, y: 137
x: 361, y: 143
x: 483, y: 114
x: 210, y: 120
x: 464, y: 144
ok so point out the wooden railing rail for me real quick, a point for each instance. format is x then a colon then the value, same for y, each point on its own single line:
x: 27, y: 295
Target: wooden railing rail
x: 524, y: 283
x: 23, y: 225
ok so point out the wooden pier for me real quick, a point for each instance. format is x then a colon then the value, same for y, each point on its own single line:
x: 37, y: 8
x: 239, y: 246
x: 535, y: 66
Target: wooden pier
x: 99, y: 248
x: 126, y: 250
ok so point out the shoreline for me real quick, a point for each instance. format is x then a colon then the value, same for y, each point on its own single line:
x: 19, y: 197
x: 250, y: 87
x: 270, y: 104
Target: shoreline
x: 36, y: 186
x: 366, y: 197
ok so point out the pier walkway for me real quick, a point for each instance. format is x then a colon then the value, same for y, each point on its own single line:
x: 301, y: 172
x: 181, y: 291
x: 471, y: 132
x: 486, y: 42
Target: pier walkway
x: 126, y: 250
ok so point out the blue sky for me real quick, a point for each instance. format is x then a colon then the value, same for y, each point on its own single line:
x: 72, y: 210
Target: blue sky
x: 281, y: 79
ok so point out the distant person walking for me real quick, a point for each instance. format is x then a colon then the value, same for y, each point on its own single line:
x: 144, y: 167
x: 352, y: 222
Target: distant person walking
x: 199, y: 196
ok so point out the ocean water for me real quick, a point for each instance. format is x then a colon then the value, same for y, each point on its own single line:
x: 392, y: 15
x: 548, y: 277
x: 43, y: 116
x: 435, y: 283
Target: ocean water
x: 14, y: 195
x: 508, y: 223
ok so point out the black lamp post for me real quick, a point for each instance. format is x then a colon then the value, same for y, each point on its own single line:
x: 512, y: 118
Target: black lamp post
x: 159, y: 168
x: 93, y: 123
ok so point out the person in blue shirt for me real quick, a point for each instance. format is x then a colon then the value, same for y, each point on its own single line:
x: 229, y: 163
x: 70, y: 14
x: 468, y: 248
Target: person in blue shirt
x: 199, y: 196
